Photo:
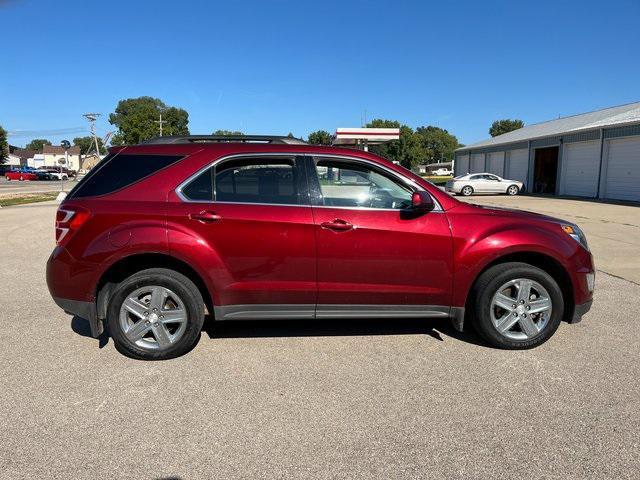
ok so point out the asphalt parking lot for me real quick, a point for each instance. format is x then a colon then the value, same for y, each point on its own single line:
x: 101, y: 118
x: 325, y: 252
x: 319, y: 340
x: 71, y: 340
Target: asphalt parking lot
x: 341, y: 399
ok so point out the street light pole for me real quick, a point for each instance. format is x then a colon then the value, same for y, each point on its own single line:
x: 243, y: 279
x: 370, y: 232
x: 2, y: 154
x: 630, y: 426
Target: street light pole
x: 64, y: 144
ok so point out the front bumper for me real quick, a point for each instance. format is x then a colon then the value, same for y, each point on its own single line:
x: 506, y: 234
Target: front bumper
x: 86, y: 310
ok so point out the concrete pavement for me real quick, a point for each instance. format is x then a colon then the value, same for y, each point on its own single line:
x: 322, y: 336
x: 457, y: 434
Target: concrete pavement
x: 340, y: 399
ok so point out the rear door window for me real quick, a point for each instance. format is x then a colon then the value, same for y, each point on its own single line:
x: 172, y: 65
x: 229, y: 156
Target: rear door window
x: 118, y: 171
x: 260, y: 180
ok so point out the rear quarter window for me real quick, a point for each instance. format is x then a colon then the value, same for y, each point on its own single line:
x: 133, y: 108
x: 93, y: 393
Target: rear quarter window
x: 115, y: 172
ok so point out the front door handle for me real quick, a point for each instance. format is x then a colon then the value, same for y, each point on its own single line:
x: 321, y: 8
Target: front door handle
x: 205, y: 216
x: 337, y: 225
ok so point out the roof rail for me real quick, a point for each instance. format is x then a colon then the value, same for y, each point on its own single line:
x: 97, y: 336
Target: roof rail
x: 225, y: 139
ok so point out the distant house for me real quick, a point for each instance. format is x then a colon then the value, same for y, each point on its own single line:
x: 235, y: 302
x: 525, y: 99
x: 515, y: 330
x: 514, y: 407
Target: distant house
x: 19, y: 157
x: 53, y: 154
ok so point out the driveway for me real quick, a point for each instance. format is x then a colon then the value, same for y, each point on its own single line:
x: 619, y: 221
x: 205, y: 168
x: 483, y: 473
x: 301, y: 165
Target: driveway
x: 333, y: 399
x: 613, y: 231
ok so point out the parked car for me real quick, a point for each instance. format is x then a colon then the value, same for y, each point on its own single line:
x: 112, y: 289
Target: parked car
x: 159, y: 233
x: 20, y: 175
x: 442, y: 172
x: 483, y: 183
x: 55, y: 174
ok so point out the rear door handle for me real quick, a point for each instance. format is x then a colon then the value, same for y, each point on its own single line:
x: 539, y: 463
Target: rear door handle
x: 205, y: 217
x: 337, y: 225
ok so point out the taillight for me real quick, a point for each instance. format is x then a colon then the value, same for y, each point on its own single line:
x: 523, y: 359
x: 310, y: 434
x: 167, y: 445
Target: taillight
x: 68, y: 221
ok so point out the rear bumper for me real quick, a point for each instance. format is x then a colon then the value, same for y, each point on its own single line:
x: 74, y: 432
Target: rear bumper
x: 86, y: 310
x: 580, y: 310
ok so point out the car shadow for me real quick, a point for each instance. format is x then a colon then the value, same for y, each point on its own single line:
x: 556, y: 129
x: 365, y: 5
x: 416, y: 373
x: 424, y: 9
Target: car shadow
x: 437, y: 329
x: 82, y: 328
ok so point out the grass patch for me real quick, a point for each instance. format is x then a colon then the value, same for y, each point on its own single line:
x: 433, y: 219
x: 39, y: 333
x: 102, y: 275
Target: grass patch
x: 438, y: 180
x: 23, y: 199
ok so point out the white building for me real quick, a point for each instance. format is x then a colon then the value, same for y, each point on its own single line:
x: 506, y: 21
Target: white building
x: 593, y: 155
x: 53, y: 154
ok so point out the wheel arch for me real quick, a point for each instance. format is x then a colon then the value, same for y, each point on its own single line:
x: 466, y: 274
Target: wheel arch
x: 131, y: 264
x: 540, y: 260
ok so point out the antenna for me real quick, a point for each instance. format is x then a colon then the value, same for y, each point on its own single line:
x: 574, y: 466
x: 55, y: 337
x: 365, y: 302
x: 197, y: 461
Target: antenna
x: 91, y: 118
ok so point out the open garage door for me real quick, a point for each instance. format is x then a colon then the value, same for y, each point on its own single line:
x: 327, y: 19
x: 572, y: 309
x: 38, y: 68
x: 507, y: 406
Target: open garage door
x: 622, y: 180
x: 495, y: 163
x: 517, y: 165
x: 462, y: 165
x: 580, y: 167
x: 477, y: 162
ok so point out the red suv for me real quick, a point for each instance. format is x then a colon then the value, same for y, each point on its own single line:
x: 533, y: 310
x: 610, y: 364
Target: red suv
x: 258, y: 227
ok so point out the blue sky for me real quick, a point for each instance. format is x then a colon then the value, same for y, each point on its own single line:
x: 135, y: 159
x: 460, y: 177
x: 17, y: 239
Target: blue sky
x: 276, y: 67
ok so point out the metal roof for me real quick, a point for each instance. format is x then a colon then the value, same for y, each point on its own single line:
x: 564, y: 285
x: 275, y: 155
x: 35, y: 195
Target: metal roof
x: 613, y: 116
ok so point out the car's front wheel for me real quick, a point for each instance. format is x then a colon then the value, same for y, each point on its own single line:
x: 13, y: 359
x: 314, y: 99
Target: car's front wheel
x: 513, y: 190
x: 517, y: 306
x: 466, y: 190
x: 155, y: 314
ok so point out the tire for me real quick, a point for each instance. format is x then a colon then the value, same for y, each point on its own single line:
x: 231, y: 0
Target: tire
x: 8, y: 179
x: 187, y: 300
x: 21, y: 179
x: 513, y: 190
x: 466, y: 191
x: 488, y: 316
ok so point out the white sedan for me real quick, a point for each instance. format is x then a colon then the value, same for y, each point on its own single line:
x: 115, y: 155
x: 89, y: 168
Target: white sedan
x: 483, y: 183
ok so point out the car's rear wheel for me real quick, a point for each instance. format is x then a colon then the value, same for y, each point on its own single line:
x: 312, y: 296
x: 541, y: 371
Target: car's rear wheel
x: 466, y: 190
x: 8, y: 178
x: 21, y: 178
x: 517, y: 306
x: 155, y: 314
x: 513, y: 190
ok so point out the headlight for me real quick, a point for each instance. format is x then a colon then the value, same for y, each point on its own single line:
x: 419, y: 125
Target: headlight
x: 578, y: 235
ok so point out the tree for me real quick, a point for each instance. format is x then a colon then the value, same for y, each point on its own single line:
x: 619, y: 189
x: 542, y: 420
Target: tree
x: 87, y: 143
x: 504, y: 126
x: 37, y: 143
x: 227, y: 132
x: 320, y: 137
x: 4, y: 146
x: 136, y: 120
x: 435, y: 144
x: 404, y: 151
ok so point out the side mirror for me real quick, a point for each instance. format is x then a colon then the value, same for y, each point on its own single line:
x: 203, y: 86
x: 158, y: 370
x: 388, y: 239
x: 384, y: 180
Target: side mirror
x: 422, y: 202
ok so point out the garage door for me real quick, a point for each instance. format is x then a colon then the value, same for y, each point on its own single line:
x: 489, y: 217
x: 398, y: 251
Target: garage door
x: 623, y: 170
x: 477, y: 162
x: 580, y: 168
x: 495, y: 163
x: 462, y: 165
x: 517, y: 165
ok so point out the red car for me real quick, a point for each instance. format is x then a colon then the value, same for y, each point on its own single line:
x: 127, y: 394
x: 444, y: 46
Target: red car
x: 271, y: 228
x: 20, y: 175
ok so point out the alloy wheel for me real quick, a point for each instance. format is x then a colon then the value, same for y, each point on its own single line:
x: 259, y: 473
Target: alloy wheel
x: 153, y: 317
x: 521, y: 309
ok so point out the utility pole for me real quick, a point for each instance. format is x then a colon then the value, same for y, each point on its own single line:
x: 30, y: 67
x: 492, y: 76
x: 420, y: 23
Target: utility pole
x: 160, y: 122
x: 91, y: 117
